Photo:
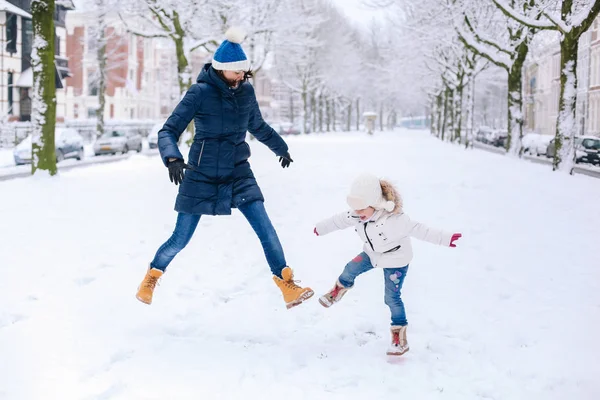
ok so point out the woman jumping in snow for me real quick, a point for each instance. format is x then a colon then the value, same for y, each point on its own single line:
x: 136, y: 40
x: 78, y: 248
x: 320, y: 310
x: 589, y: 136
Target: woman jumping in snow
x: 218, y: 177
x: 376, y: 212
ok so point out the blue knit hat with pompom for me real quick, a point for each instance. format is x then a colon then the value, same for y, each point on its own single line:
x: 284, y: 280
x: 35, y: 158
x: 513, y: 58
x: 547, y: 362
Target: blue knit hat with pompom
x: 230, y: 56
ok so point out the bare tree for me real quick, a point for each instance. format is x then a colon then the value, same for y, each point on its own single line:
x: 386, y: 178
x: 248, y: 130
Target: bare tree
x: 106, y: 44
x: 296, y: 48
x: 44, y: 87
x: 505, y: 43
x: 179, y: 22
x: 571, y: 18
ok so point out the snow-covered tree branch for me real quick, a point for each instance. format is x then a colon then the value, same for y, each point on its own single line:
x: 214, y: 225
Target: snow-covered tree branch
x: 572, y: 18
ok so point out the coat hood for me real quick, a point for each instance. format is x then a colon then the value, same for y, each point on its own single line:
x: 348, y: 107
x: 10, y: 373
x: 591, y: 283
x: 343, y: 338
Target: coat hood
x: 390, y: 193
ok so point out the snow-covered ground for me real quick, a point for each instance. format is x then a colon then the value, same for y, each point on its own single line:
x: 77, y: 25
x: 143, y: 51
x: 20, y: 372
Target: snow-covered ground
x: 6, y: 158
x: 8, y: 166
x: 512, y: 313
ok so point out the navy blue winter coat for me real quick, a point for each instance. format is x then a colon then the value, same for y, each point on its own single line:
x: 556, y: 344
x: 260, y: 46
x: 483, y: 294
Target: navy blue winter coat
x: 219, y: 177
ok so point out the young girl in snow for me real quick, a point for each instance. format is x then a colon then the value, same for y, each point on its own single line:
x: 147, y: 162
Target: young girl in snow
x: 378, y: 218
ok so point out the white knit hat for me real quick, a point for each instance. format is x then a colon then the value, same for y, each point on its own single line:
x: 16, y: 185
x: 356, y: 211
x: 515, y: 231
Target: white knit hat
x: 366, y: 192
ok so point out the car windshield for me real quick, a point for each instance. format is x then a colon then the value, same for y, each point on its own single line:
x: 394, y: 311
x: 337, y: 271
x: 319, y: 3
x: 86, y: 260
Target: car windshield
x: 61, y: 133
x: 113, y: 134
x: 592, y: 144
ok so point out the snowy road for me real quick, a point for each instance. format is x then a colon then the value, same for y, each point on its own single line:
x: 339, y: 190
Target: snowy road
x: 8, y: 169
x: 512, y: 313
x: 582, y: 169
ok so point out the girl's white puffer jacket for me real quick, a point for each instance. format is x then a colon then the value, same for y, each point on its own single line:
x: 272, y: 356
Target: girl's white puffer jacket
x: 386, y: 236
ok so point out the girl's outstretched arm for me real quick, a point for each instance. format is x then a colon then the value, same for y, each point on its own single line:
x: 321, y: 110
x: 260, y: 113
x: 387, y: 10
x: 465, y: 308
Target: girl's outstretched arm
x: 337, y: 222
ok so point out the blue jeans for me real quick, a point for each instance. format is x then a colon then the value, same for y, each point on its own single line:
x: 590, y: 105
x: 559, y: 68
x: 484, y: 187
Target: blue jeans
x: 394, y: 278
x: 256, y: 215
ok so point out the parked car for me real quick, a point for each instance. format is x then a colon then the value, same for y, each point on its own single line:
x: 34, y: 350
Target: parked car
x: 153, y: 136
x: 68, y: 143
x: 118, y: 141
x: 591, y: 147
x: 498, y: 138
x: 484, y: 134
x: 287, y: 128
x: 586, y: 149
x: 535, y: 143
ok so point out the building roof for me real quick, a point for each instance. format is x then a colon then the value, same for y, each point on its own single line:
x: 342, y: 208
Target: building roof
x: 7, y: 7
x: 67, y: 4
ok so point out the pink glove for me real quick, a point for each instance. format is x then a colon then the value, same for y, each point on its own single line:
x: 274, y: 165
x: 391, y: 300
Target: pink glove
x: 315, y: 231
x: 455, y: 237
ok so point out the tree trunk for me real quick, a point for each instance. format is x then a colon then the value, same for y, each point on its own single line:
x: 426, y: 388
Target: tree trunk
x: 333, y: 116
x: 349, y: 120
x: 433, y: 111
x: 445, y: 116
x: 564, y: 156
x: 184, y: 72
x: 101, y: 58
x: 458, y: 111
x: 451, y: 102
x: 470, y: 111
x: 515, y: 102
x: 485, y: 105
x: 304, y: 111
x: 291, y: 106
x: 328, y: 115
x: 321, y: 113
x: 392, y: 119
x: 358, y: 114
x: 381, y: 116
x: 440, y: 110
x: 313, y: 102
x: 44, y: 87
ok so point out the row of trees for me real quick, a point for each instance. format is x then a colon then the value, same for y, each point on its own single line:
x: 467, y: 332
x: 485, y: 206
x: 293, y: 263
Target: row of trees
x: 439, y: 57
x: 337, y: 69
x: 461, y: 38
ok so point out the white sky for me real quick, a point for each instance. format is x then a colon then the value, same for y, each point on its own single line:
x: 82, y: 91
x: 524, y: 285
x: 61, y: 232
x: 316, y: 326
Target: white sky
x: 357, y: 11
x: 354, y: 9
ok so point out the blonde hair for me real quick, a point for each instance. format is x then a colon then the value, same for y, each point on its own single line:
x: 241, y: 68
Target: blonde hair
x: 390, y: 193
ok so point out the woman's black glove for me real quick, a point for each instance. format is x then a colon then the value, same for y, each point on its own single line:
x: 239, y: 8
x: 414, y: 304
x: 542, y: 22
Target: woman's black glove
x: 176, y: 168
x: 286, y: 160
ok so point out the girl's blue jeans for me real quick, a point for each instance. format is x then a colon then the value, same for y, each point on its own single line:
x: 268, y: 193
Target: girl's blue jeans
x: 393, y: 277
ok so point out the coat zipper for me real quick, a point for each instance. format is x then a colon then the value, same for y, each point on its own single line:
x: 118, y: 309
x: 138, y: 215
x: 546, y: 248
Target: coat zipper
x: 201, y: 151
x: 367, y: 236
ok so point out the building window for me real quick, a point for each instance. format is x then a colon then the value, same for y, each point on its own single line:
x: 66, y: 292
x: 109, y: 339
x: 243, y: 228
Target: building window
x: 25, y: 105
x: 593, y: 115
x: 595, y: 78
x: 596, y: 115
x: 11, y: 33
x: 92, y: 112
x: 92, y: 84
x: 592, y: 69
x: 75, y: 110
x: 26, y: 43
x: 56, y: 44
x: 112, y: 110
x: 10, y: 93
